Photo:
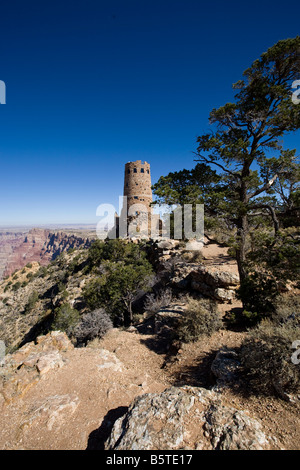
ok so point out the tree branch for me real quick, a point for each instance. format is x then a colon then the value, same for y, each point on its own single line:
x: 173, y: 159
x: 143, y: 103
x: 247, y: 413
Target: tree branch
x: 272, y: 213
x: 264, y: 188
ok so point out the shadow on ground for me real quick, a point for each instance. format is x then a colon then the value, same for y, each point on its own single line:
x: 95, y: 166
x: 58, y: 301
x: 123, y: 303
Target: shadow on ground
x: 98, y: 437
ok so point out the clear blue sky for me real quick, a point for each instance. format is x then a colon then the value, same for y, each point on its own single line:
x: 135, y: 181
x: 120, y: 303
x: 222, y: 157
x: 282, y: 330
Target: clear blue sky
x: 92, y: 84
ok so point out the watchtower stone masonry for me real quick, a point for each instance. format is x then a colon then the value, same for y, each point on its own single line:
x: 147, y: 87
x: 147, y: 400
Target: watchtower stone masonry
x: 137, y: 183
x: 137, y: 189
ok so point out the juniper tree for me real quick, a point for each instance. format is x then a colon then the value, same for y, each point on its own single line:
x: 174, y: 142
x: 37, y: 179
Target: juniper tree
x: 246, y: 131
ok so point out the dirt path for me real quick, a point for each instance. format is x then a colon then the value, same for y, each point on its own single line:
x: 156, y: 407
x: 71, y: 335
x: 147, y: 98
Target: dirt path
x: 66, y: 407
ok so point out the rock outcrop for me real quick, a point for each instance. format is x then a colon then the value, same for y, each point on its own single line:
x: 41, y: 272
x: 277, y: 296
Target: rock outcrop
x: 9, y: 241
x: 21, y: 370
x: 185, y: 418
x: 226, y: 368
x: 209, y: 281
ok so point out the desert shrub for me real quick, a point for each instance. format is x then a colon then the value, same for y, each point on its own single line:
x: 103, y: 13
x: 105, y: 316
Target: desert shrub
x: 120, y: 282
x: 65, y: 319
x: 32, y: 300
x: 29, y: 265
x: 192, y: 256
x: 286, y: 310
x: 42, y: 272
x: 29, y: 276
x: 93, y: 325
x: 155, y: 302
x: 16, y: 286
x: 75, y: 264
x: 266, y: 358
x: 200, y: 318
x: 258, y: 293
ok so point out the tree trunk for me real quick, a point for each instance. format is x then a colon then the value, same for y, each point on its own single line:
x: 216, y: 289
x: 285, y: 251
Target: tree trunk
x: 241, y: 251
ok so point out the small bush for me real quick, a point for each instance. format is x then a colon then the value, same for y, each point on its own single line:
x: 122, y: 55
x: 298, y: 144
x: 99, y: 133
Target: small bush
x: 192, y: 256
x: 65, y: 319
x: 16, y: 286
x: 32, y: 300
x: 286, y: 310
x: 266, y: 357
x: 155, y: 302
x: 42, y: 272
x: 93, y: 325
x: 201, y: 318
x: 258, y: 293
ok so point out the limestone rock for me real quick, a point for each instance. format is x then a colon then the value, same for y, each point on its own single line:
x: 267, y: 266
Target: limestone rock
x: 109, y: 360
x: 22, y: 369
x: 226, y: 367
x: 185, y: 418
x: 224, y: 294
x: 213, y: 283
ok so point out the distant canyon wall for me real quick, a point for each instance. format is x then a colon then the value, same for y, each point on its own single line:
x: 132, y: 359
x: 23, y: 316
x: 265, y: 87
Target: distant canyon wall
x: 42, y: 245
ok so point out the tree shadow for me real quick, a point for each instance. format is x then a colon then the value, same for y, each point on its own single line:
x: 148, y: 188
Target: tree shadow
x: 198, y: 374
x: 98, y: 437
x: 39, y: 328
x: 160, y: 337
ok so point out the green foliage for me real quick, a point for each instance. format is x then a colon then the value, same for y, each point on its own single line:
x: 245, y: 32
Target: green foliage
x: 266, y: 357
x: 124, y: 272
x: 42, y: 272
x: 65, y: 319
x: 75, y: 265
x: 16, y: 286
x: 200, y: 318
x: 254, y: 193
x: 258, y: 293
x: 186, y: 186
x: 32, y: 300
x: 117, y: 289
x: 278, y: 255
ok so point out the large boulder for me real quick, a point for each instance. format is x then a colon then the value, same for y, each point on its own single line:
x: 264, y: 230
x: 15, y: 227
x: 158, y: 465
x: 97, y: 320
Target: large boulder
x: 185, y: 418
x: 211, y: 282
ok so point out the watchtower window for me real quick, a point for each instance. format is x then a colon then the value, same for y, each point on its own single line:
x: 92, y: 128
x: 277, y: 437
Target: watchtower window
x: 142, y: 170
x: 148, y: 172
x: 134, y: 170
x: 128, y: 171
x: 135, y: 197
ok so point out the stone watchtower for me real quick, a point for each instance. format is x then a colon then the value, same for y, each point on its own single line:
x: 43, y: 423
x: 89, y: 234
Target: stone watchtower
x: 137, y: 189
x: 137, y: 183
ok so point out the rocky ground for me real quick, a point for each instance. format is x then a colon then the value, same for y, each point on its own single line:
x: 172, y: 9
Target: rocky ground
x: 130, y: 390
x: 54, y: 396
